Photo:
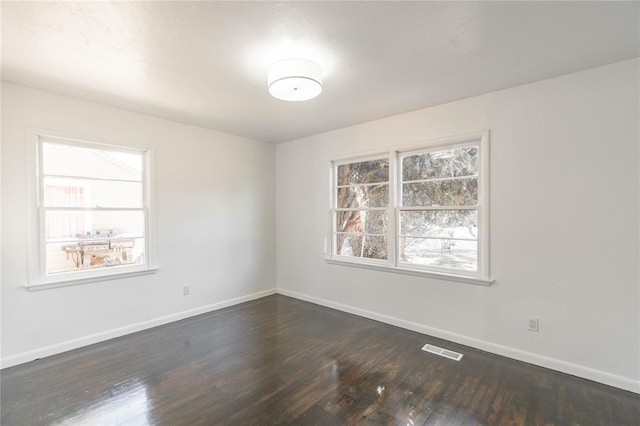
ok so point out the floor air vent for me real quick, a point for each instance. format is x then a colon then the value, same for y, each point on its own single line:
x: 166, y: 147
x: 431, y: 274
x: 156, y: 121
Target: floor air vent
x: 442, y: 352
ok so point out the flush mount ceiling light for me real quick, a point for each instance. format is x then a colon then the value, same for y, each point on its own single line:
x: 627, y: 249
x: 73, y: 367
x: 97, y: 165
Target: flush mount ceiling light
x: 295, y: 80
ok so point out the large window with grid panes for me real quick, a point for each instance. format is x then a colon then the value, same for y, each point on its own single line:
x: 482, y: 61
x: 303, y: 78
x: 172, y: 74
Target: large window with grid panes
x: 92, y: 209
x: 419, y: 208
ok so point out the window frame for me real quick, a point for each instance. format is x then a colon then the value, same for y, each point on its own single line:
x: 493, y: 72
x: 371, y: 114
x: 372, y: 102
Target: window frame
x: 37, y: 275
x: 393, y: 264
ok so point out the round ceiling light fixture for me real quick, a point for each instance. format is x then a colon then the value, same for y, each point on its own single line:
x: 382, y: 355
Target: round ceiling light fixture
x: 294, y: 80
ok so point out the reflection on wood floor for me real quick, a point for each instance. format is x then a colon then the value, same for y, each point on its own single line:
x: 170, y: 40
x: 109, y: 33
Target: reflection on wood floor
x: 278, y: 360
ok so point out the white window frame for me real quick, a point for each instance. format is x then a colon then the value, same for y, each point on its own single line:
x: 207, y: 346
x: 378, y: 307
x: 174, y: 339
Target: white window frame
x: 393, y: 264
x: 37, y: 277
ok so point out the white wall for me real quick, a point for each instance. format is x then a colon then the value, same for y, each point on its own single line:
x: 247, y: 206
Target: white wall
x: 564, y: 225
x: 215, y: 228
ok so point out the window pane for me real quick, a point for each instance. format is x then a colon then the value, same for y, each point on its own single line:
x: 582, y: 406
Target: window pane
x: 440, y: 223
x: 64, y: 194
x: 69, y: 160
x: 364, y: 172
x: 459, y: 192
x: 375, y: 247
x: 359, y: 221
x: 441, y: 253
x: 367, y: 246
x: 363, y: 196
x: 93, y: 254
x: 348, y: 245
x: 62, y: 224
x: 448, y: 163
x: 74, y: 192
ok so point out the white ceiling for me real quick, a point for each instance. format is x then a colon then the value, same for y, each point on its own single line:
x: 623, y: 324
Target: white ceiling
x: 205, y: 63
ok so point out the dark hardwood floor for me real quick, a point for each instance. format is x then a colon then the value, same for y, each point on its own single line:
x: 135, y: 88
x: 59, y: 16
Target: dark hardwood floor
x: 278, y: 360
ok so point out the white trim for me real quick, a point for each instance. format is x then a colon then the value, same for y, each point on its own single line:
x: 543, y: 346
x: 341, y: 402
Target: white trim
x: 484, y: 206
x: 439, y: 179
x: 111, y: 275
x: 32, y: 197
x: 361, y: 158
x: 381, y: 266
x: 582, y: 371
x: 434, y: 208
x: 353, y: 185
x: 37, y: 278
x: 35, y: 354
x: 92, y: 209
x: 149, y: 185
x: 436, y: 238
x: 85, y: 178
x: 359, y: 209
x: 393, y: 221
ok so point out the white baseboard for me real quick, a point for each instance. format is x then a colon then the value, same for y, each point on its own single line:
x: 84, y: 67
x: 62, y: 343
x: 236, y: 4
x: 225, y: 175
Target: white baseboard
x: 23, y: 357
x: 531, y: 358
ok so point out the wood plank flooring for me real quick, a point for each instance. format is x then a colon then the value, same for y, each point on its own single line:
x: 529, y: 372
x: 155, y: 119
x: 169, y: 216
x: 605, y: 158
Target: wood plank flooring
x: 278, y: 360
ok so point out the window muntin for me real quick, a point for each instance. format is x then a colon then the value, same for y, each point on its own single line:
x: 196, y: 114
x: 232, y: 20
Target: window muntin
x: 93, y: 208
x: 360, y: 216
x: 427, y: 208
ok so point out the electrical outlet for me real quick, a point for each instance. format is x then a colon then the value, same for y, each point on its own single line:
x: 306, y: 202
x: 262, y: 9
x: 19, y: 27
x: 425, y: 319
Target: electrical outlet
x: 185, y: 290
x: 533, y: 323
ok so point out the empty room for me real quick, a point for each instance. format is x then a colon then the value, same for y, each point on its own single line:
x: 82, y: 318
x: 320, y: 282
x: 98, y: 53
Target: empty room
x: 320, y: 213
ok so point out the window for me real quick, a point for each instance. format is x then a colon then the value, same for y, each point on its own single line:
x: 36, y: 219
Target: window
x: 361, y: 213
x: 92, y: 210
x: 422, y: 209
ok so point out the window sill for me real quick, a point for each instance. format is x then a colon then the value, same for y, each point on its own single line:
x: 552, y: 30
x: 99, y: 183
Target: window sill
x: 86, y: 280
x: 414, y: 272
